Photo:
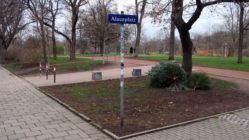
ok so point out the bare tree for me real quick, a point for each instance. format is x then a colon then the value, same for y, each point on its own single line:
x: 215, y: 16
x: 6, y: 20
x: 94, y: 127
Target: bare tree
x: 231, y: 25
x: 236, y: 21
x: 242, y: 27
x: 11, y: 15
x: 96, y: 26
x: 53, y: 9
x: 162, y: 13
x: 241, y: 32
x: 140, y: 12
x: 184, y: 26
x: 38, y: 11
x: 74, y: 8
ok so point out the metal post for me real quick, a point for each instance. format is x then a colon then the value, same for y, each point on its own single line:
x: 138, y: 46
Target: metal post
x: 46, y: 71
x: 40, y: 69
x: 104, y: 54
x: 54, y: 69
x: 122, y: 30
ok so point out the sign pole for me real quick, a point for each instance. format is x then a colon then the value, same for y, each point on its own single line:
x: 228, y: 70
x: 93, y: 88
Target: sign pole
x: 122, y: 30
x: 40, y: 67
x: 122, y: 19
x: 47, y: 71
x: 54, y: 69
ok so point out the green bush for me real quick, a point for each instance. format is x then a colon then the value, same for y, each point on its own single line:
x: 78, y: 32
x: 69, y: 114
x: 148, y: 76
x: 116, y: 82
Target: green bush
x: 167, y: 75
x: 199, y: 81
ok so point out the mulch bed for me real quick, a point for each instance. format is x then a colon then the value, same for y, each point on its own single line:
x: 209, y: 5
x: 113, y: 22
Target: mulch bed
x: 145, y: 107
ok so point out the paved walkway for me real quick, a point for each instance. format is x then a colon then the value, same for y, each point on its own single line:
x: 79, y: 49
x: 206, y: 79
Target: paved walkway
x: 114, y: 73
x: 27, y: 114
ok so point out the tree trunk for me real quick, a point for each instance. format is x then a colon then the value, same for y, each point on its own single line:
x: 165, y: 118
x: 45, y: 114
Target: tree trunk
x: 139, y: 24
x: 101, y: 47
x: 2, y: 54
x: 138, y: 38
x: 72, y: 50
x: 43, y: 43
x: 187, y: 46
x: 172, y: 36
x: 172, y: 42
x: 73, y: 43
x: 241, y: 34
x: 54, y: 43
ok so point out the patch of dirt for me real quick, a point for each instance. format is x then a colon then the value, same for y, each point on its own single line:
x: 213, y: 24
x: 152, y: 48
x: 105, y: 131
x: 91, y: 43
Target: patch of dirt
x: 146, y: 107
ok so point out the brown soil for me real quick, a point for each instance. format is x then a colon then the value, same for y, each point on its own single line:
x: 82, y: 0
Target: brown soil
x: 146, y: 107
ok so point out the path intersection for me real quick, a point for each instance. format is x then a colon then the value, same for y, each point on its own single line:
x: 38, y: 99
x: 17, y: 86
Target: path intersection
x: 28, y: 114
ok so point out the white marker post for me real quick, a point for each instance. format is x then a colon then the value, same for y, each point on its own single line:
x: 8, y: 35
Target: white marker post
x: 122, y: 30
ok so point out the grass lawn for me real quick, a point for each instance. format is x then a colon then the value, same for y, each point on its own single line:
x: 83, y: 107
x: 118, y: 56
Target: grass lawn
x: 146, y: 107
x: 80, y: 64
x: 63, y: 65
x: 207, y: 61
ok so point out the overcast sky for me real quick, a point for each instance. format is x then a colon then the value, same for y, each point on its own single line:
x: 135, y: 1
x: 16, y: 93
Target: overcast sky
x: 206, y: 23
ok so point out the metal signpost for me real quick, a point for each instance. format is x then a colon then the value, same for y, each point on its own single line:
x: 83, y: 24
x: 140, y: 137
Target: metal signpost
x: 54, y: 70
x: 47, y: 67
x: 122, y: 19
x: 40, y: 68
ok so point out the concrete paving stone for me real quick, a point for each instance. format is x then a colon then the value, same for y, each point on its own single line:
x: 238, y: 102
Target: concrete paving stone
x: 23, y: 131
x: 3, y: 138
x: 98, y: 136
x: 16, y: 136
x: 7, y: 133
x: 28, y: 138
x: 61, y: 138
x: 39, y: 128
x: 28, y: 126
x: 72, y: 137
x: 33, y: 133
x: 52, y: 126
x: 64, y: 128
x: 44, y: 137
x: 60, y: 134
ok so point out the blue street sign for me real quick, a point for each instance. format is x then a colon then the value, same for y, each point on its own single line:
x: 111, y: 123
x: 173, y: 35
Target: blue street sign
x: 123, y: 19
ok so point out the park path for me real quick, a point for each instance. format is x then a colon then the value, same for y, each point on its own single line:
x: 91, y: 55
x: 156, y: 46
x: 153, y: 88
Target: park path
x: 113, y: 72
x: 28, y: 114
x: 108, y: 72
